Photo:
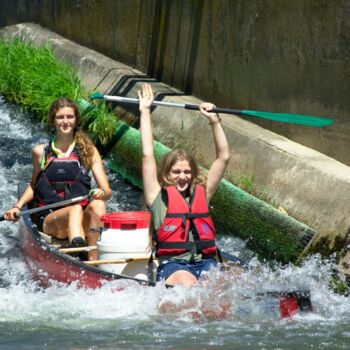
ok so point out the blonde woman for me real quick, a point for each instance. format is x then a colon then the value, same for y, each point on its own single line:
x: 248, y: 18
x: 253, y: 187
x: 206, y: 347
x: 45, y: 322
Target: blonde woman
x: 178, y: 197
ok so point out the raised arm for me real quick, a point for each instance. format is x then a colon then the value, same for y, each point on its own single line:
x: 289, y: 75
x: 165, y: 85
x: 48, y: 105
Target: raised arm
x: 151, y: 185
x: 218, y: 167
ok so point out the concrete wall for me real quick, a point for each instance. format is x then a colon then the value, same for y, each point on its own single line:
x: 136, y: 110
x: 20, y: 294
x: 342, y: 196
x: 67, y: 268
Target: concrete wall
x: 312, y: 188
x: 275, y: 55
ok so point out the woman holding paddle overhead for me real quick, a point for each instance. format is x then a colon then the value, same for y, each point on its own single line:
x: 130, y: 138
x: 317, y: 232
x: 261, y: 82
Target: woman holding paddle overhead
x: 61, y: 171
x: 184, y: 234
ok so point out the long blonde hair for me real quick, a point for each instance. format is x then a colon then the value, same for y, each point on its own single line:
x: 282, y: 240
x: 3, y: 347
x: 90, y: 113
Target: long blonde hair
x: 168, y: 161
x: 86, y: 146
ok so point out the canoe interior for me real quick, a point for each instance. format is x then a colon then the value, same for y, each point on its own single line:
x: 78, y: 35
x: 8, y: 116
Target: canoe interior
x: 48, y: 264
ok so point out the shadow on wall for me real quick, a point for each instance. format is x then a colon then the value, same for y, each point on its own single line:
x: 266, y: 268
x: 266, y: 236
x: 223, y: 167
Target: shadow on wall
x: 160, y: 34
x: 130, y: 83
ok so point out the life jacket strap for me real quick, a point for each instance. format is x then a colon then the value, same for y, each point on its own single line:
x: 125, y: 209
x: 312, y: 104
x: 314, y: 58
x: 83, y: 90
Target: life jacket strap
x: 187, y: 215
x: 59, y: 186
x: 199, y: 245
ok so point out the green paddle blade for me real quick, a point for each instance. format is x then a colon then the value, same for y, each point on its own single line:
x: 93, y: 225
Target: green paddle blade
x: 290, y: 118
x: 96, y: 95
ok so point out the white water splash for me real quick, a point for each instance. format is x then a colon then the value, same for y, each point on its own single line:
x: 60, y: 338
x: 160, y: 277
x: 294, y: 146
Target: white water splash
x: 225, y: 314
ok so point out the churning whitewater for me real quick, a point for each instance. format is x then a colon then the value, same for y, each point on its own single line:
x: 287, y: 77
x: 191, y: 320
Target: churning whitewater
x: 227, y: 313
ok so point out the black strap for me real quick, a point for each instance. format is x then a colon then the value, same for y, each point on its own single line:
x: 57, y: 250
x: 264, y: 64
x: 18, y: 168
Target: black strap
x: 59, y: 186
x: 47, y: 149
x: 187, y: 215
x: 206, y: 244
x: 175, y: 245
x: 186, y: 245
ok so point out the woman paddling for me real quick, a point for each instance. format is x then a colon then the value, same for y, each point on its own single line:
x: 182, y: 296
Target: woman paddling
x: 60, y: 172
x: 184, y: 235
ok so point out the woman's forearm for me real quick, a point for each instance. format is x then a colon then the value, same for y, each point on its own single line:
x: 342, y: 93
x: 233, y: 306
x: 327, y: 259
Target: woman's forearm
x: 220, y: 141
x: 146, y: 133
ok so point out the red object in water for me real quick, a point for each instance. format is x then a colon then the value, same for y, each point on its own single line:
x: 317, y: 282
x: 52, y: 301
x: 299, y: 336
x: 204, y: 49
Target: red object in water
x: 288, y: 306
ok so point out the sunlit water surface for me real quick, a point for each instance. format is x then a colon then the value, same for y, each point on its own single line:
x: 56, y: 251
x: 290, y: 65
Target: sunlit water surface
x: 225, y: 314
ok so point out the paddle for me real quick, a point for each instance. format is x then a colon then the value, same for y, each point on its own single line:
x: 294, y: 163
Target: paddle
x: 279, y: 117
x: 77, y: 249
x: 50, y: 206
x: 117, y: 261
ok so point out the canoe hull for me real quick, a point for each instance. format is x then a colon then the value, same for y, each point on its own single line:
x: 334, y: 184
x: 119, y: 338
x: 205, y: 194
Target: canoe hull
x: 49, y: 266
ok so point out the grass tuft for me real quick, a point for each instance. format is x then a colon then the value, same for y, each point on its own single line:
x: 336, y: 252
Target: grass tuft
x: 33, y: 78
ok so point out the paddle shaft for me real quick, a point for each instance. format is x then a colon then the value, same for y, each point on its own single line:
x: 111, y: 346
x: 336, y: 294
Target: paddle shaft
x: 49, y: 206
x: 280, y: 117
x: 117, y: 261
x: 77, y: 249
x: 169, y: 104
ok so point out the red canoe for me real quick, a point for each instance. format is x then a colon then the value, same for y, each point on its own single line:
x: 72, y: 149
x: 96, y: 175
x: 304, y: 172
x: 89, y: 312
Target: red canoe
x: 48, y: 264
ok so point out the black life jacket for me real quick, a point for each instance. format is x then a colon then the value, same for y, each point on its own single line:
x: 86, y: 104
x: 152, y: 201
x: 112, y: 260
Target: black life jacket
x: 172, y: 238
x: 61, y: 178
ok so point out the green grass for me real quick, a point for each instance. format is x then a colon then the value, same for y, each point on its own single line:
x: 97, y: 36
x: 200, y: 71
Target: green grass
x: 33, y: 78
x: 246, y: 183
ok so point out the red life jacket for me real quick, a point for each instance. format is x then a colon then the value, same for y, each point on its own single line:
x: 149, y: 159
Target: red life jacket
x: 172, y: 238
x: 61, y: 178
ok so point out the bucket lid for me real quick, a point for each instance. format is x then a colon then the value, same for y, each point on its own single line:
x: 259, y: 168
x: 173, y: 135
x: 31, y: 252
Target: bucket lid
x: 127, y: 219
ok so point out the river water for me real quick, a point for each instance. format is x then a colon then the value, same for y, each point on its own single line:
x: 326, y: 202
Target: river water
x: 223, y: 315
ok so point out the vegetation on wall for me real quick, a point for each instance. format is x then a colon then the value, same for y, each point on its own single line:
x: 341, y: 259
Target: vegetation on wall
x: 22, y: 80
x: 33, y: 78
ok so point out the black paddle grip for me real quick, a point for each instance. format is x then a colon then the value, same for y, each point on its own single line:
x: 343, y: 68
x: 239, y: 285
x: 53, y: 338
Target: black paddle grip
x: 215, y: 110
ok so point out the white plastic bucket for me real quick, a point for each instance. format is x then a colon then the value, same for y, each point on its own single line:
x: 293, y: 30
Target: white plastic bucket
x: 125, y: 235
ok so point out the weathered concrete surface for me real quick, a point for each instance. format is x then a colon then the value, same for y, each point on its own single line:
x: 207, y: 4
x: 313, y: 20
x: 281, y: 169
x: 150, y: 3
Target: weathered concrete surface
x: 287, y: 56
x: 312, y: 188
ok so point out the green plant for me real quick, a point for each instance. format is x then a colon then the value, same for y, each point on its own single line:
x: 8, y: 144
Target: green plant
x: 246, y: 183
x: 32, y: 77
x: 101, y: 123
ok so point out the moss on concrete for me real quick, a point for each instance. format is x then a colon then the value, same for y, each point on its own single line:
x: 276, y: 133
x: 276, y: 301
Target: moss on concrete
x: 326, y: 246
x: 270, y: 233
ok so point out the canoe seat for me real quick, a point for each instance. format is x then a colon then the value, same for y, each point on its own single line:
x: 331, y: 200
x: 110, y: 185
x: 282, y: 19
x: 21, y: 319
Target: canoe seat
x: 58, y: 243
